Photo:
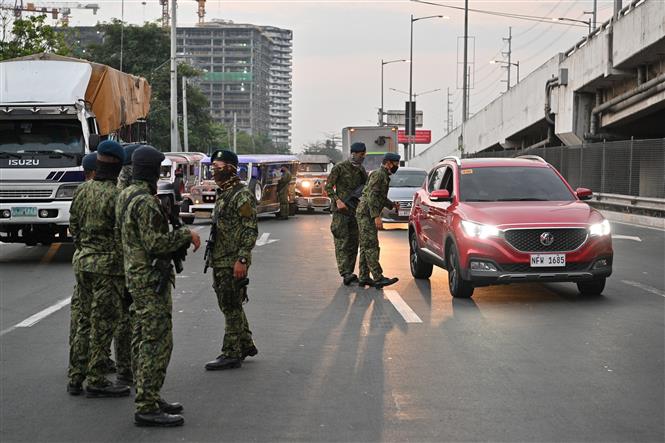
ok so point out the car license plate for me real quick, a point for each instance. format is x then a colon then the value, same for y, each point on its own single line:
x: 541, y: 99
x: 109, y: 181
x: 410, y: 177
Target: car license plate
x: 29, y: 211
x: 547, y: 260
x: 404, y: 212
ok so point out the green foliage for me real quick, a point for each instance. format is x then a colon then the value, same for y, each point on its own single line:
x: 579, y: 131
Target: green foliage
x: 31, y: 35
x: 324, y: 148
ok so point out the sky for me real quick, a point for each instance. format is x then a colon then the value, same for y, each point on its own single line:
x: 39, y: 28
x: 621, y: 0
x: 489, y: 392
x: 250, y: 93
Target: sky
x: 338, y: 46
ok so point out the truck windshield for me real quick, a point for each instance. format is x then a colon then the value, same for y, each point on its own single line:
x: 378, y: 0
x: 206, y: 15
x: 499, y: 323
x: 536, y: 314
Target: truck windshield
x: 514, y: 183
x: 312, y: 167
x: 41, y: 137
x: 373, y: 161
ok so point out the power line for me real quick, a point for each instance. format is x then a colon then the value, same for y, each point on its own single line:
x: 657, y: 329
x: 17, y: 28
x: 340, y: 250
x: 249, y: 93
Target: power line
x: 535, y: 25
x: 500, y: 14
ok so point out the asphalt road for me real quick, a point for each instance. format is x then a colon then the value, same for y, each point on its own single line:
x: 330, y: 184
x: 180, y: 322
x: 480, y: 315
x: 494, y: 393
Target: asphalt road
x: 515, y: 363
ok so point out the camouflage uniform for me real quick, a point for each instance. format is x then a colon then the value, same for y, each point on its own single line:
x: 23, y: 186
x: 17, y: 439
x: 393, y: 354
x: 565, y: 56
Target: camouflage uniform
x: 98, y: 269
x: 146, y: 238
x: 123, y: 330
x: 343, y: 179
x: 372, y: 202
x: 283, y: 191
x: 237, y: 229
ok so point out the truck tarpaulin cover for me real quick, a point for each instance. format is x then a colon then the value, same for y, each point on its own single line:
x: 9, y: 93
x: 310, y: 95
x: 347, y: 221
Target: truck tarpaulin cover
x: 117, y: 98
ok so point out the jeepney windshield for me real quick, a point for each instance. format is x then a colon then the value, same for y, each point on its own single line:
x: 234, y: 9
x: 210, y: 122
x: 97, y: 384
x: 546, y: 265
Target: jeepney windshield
x: 313, y: 167
x: 41, y: 137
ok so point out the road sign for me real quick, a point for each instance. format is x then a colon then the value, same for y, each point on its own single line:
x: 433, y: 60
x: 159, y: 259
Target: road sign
x: 422, y: 136
x: 397, y: 118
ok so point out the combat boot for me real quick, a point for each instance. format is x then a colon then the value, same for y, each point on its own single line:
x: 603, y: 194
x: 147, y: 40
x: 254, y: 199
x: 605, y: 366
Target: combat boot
x: 249, y: 352
x: 158, y: 418
x: 169, y: 408
x: 74, y: 388
x: 124, y: 380
x: 223, y: 362
x: 384, y: 281
x: 107, y: 389
x: 109, y: 366
x: 349, y: 278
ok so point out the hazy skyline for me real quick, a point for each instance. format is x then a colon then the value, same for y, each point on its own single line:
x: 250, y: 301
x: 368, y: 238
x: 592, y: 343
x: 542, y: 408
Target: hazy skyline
x: 338, y: 45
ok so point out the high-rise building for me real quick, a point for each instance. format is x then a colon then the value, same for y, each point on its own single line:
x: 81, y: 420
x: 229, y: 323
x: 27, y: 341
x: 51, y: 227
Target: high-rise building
x: 248, y: 73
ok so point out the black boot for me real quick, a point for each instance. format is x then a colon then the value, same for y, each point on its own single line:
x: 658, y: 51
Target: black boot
x: 124, y: 380
x: 349, y: 278
x: 158, y: 418
x: 169, y: 408
x: 223, y: 362
x: 249, y: 352
x: 384, y: 281
x: 74, y: 388
x: 366, y: 282
x: 107, y: 389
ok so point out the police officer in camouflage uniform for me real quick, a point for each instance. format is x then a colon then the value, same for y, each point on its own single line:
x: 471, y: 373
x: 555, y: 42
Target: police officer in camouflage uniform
x: 147, y: 247
x: 283, y: 192
x: 95, y: 305
x: 372, y: 202
x: 344, y: 179
x: 123, y: 330
x: 235, y: 220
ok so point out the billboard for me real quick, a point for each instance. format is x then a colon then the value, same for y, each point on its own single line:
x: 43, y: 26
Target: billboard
x: 423, y: 136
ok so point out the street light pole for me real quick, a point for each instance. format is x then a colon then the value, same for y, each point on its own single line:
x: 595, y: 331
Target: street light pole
x: 174, y: 83
x: 185, y: 130
x: 383, y: 63
x: 407, y: 150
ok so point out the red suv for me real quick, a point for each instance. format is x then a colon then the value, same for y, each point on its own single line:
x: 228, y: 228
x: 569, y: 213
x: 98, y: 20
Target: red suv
x: 492, y: 221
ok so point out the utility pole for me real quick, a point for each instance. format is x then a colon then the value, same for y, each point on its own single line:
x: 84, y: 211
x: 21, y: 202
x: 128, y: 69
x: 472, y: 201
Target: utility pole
x: 449, y: 115
x: 235, y: 132
x: 509, y: 53
x: 465, y: 83
x: 185, y: 131
x: 175, y: 145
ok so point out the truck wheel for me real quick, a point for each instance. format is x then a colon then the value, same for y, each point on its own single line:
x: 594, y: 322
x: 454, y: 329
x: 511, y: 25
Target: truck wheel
x: 419, y: 268
x: 591, y: 287
x: 459, y: 288
x: 188, y: 219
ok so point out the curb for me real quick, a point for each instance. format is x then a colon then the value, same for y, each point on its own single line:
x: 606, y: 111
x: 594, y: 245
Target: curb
x: 634, y: 219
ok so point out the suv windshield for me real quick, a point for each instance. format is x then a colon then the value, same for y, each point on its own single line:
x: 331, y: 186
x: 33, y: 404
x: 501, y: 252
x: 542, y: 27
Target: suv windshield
x: 313, y: 167
x: 407, y: 179
x: 41, y: 136
x: 512, y: 183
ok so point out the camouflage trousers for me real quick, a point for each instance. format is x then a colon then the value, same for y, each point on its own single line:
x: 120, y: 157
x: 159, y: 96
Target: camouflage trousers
x: 152, y: 343
x: 123, y: 337
x: 369, y: 248
x: 95, y: 307
x: 344, y: 229
x: 284, y: 203
x: 237, y: 336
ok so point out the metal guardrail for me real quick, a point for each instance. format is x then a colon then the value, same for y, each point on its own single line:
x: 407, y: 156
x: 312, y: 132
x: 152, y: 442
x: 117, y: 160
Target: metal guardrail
x: 627, y: 203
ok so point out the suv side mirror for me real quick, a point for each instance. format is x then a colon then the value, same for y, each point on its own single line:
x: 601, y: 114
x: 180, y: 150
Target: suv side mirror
x: 584, y: 193
x: 440, y: 195
x: 93, y: 141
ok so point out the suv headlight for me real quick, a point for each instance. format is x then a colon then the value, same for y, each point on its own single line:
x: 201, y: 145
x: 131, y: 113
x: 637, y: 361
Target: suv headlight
x: 599, y: 229
x: 477, y: 230
x: 66, y: 192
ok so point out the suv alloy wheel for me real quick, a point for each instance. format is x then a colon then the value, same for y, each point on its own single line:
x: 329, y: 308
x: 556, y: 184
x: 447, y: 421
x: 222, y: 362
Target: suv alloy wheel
x: 419, y: 268
x: 459, y: 288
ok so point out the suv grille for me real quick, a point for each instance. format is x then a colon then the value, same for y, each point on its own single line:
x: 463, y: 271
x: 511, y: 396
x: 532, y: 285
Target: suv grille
x: 525, y: 267
x: 528, y: 240
x: 26, y: 193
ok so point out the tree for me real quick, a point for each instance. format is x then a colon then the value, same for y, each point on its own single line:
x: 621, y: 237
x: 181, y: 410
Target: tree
x: 324, y: 148
x: 31, y: 36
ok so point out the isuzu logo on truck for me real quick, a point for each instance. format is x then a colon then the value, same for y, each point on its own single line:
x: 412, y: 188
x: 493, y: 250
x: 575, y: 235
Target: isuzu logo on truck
x: 26, y: 162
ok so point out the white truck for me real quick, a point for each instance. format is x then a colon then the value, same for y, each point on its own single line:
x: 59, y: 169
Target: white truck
x: 53, y: 111
x: 378, y: 139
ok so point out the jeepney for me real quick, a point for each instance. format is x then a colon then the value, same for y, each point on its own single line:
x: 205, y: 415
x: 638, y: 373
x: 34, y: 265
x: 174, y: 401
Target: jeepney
x: 311, y: 180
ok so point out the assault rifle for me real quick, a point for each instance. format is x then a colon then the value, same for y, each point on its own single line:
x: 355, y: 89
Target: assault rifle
x: 353, y: 199
x: 210, y: 243
x: 177, y: 257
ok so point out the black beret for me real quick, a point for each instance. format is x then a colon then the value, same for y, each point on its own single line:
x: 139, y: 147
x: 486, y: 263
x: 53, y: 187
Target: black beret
x: 89, y: 162
x: 129, y: 151
x: 358, y: 147
x: 111, y: 148
x: 147, y: 155
x: 225, y: 156
x: 391, y: 156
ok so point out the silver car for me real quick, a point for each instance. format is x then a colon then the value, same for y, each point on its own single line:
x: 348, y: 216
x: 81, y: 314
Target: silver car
x: 403, y: 186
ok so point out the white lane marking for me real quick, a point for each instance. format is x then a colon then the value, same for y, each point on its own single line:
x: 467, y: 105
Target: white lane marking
x: 405, y: 310
x: 197, y: 228
x: 634, y: 225
x: 625, y: 237
x: 263, y: 240
x: 644, y: 287
x: 34, y: 319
